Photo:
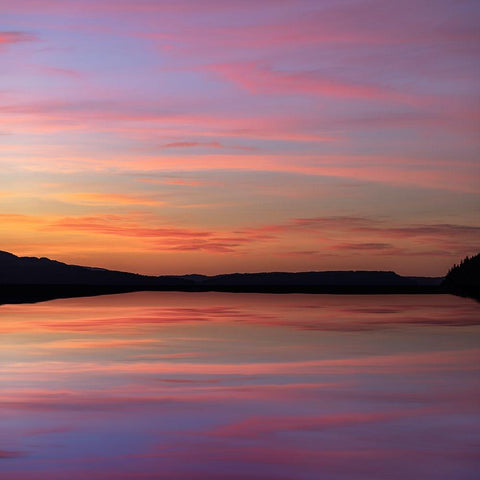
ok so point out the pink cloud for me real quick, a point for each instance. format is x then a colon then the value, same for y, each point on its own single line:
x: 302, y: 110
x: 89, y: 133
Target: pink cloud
x: 449, y: 237
x: 257, y: 427
x: 260, y: 79
x: 92, y: 198
x: 180, y: 182
x: 204, y: 145
x: 10, y: 454
x: 10, y: 38
x: 363, y: 246
x: 54, y: 115
x: 192, y: 144
x: 466, y: 360
x: 123, y: 226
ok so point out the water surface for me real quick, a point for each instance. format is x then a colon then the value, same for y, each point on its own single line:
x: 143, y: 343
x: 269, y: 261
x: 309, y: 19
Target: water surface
x: 219, y: 386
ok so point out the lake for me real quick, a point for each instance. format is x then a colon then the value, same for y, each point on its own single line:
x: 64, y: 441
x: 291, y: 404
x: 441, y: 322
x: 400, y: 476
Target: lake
x: 220, y: 386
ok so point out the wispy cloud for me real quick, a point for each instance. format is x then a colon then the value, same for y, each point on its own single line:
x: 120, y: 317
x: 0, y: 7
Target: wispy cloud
x: 12, y: 37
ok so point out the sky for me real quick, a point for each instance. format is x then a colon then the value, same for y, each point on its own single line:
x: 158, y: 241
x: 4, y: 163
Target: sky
x: 170, y: 137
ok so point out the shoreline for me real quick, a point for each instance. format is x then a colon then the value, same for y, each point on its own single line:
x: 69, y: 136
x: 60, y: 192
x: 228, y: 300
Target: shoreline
x: 33, y: 293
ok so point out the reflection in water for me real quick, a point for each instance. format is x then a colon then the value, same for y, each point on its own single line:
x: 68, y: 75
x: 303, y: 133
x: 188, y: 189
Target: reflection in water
x: 237, y: 386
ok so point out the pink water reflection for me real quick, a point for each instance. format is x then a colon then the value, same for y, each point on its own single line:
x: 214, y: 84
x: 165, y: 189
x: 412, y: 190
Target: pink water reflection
x: 236, y: 386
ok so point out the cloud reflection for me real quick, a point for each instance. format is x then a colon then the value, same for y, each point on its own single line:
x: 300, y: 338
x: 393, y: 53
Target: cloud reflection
x: 232, y: 386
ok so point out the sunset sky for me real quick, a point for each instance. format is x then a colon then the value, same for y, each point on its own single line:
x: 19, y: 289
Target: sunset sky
x: 213, y: 136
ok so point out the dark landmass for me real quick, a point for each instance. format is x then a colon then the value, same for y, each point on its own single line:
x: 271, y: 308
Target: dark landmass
x: 31, y: 279
x: 464, y: 279
x: 335, y: 282
x: 43, y: 271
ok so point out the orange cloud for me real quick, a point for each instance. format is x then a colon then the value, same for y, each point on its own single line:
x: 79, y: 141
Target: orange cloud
x: 179, y: 182
x: 108, y: 199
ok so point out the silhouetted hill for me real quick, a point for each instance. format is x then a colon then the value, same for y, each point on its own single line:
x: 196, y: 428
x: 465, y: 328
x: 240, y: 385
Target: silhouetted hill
x: 28, y: 279
x: 312, y: 280
x: 31, y: 279
x: 464, y: 279
x: 43, y: 271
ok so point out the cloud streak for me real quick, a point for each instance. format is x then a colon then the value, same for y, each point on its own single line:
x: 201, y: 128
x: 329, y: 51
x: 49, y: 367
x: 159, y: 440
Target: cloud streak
x: 12, y: 37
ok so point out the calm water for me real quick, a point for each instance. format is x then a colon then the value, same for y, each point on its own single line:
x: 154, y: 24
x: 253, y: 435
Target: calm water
x: 218, y: 386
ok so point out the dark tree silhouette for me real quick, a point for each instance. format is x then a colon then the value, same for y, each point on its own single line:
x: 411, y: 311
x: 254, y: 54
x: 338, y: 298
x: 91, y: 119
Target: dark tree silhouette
x: 464, y: 278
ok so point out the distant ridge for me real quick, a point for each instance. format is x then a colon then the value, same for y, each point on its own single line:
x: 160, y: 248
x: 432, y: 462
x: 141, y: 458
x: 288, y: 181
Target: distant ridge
x: 310, y: 279
x: 29, y: 279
